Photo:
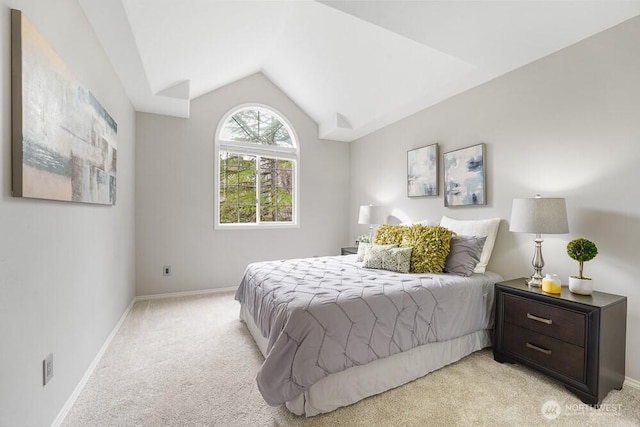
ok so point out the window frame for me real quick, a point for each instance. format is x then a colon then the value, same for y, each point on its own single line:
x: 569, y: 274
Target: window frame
x: 253, y: 149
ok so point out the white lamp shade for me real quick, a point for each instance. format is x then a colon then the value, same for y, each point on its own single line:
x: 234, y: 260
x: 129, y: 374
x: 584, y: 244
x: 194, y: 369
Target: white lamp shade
x: 539, y: 215
x: 370, y: 214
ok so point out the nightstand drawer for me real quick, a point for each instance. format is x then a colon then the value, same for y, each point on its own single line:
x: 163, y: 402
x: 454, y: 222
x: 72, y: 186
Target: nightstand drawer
x: 557, y: 322
x: 551, y: 353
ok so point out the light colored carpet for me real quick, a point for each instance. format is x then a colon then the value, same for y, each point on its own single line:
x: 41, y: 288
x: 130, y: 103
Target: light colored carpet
x: 189, y: 361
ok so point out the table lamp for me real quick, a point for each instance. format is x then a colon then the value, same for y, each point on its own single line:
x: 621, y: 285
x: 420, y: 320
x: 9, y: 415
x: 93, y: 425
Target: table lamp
x: 539, y: 215
x: 371, y: 215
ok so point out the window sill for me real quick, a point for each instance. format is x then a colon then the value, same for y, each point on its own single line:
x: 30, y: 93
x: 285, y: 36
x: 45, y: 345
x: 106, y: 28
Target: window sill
x: 275, y: 226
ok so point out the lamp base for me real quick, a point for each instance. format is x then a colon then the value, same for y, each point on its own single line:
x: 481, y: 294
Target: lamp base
x: 535, y: 282
x: 538, y: 263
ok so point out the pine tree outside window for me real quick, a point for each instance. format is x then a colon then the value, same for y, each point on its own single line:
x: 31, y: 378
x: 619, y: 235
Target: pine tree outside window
x: 256, y: 179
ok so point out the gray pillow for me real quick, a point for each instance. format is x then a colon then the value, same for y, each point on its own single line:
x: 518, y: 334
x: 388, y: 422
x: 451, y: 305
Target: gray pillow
x: 464, y: 254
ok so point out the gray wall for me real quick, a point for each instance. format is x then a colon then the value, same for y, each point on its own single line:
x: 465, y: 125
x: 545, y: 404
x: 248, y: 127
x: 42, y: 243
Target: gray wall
x: 175, y: 196
x: 66, y: 269
x: 565, y: 126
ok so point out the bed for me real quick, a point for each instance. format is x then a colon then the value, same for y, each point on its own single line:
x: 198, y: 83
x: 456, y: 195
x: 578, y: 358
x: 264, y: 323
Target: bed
x: 333, y: 332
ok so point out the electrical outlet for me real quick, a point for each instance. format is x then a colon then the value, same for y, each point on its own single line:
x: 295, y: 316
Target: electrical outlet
x: 47, y: 369
x: 166, y: 270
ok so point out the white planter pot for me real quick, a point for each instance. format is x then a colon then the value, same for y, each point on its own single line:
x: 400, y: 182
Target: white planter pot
x: 580, y: 286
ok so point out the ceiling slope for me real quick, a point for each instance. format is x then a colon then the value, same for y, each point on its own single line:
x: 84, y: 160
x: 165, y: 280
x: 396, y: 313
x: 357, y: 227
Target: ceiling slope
x: 352, y: 66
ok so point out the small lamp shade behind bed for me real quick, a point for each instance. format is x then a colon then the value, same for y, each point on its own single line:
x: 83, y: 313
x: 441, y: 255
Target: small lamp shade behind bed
x: 371, y: 215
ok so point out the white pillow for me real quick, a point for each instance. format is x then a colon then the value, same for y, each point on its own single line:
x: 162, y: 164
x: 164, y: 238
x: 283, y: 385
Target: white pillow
x: 480, y: 227
x: 385, y: 258
x: 424, y: 222
x: 363, y: 248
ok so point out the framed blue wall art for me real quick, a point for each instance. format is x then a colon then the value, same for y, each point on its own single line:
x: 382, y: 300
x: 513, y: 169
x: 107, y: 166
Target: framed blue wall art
x: 422, y: 171
x: 465, y: 176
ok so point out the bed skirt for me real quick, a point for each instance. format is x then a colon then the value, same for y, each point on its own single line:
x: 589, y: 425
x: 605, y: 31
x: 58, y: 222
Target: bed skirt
x: 358, y: 382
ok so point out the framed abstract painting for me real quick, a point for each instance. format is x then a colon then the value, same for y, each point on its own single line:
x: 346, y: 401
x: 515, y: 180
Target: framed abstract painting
x: 465, y: 177
x: 63, y: 140
x: 422, y: 171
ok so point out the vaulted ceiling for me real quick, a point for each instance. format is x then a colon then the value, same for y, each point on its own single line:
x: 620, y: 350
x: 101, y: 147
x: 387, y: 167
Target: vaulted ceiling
x: 352, y: 66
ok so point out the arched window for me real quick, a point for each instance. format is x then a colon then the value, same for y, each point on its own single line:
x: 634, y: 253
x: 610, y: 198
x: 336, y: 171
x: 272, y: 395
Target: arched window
x: 257, y: 169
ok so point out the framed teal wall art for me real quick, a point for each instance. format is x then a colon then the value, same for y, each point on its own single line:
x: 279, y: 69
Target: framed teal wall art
x: 63, y: 140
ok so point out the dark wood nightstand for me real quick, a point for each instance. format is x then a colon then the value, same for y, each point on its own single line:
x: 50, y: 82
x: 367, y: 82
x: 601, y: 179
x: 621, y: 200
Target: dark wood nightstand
x: 578, y: 340
x: 350, y: 250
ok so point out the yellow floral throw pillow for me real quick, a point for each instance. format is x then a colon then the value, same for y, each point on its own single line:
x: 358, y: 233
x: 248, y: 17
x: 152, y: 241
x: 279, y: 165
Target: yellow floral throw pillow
x: 430, y: 244
x: 387, y: 234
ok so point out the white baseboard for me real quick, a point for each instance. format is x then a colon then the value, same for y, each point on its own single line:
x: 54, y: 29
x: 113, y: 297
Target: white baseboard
x: 76, y: 392
x: 185, y: 293
x: 630, y: 382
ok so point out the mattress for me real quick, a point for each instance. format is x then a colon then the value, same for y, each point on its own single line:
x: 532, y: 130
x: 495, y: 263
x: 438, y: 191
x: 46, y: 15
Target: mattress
x: 319, y: 317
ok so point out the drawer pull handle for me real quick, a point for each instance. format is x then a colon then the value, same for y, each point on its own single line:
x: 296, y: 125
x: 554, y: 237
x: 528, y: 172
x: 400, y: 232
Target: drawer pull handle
x: 539, y: 319
x: 540, y: 349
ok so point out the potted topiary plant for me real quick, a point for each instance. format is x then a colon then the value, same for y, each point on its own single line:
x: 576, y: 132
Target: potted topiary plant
x: 581, y: 250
